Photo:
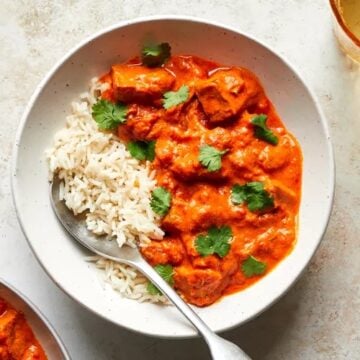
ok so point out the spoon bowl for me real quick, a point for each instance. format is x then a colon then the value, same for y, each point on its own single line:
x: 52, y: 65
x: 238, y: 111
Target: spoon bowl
x: 75, y: 225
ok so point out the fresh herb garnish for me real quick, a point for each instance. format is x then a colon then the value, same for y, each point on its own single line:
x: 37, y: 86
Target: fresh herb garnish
x: 142, y: 150
x: 262, y: 131
x: 173, y: 98
x: 251, y: 267
x: 108, y: 115
x: 210, y: 157
x: 216, y: 241
x: 253, y: 194
x: 160, y: 201
x: 155, y: 54
x: 166, y: 272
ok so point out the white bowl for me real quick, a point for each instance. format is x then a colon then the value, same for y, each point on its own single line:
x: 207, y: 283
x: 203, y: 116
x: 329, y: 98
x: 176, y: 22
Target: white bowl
x: 62, y: 258
x: 40, y: 326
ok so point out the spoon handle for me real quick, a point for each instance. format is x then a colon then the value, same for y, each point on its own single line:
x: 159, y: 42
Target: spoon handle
x: 220, y: 348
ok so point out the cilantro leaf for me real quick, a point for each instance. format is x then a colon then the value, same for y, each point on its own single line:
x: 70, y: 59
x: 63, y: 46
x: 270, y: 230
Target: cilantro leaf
x: 221, y: 248
x: 155, y: 54
x: 262, y: 131
x: 166, y: 272
x: 216, y: 241
x: 160, y: 201
x: 253, y: 194
x: 204, y: 245
x: 142, y: 150
x: 260, y: 201
x: 255, y: 186
x: 210, y: 157
x: 173, y: 98
x: 108, y: 115
x: 238, y: 194
x: 252, y: 267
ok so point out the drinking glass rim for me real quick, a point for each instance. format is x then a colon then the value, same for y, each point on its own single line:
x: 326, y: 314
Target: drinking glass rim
x: 343, y: 25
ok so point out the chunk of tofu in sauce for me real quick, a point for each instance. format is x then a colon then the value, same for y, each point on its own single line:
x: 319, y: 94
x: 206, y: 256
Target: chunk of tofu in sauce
x: 218, y: 113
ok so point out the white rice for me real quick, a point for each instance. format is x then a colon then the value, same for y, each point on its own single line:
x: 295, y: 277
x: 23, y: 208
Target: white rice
x: 102, y: 179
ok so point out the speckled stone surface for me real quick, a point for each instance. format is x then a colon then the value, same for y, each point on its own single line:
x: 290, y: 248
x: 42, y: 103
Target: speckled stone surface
x: 319, y: 318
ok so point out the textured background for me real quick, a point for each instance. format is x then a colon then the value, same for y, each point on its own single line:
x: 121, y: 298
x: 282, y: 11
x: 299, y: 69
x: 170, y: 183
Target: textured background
x: 319, y: 318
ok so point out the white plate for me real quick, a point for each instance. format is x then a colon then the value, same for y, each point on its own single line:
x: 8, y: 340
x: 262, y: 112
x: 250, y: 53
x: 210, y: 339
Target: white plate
x: 44, y: 333
x: 62, y: 258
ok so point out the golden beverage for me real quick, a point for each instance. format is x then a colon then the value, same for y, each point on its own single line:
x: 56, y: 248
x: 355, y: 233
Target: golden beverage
x: 350, y: 12
x: 347, y: 25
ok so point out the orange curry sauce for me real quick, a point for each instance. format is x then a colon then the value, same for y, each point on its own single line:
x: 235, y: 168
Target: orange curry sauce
x: 17, y: 341
x: 218, y: 113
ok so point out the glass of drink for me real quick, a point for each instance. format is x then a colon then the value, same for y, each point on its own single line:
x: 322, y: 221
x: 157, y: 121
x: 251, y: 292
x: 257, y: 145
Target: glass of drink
x: 346, y: 16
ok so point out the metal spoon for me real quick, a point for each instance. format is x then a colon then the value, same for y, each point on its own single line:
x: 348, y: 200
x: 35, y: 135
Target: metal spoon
x: 220, y: 348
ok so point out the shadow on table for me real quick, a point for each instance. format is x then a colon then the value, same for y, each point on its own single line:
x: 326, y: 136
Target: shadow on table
x: 258, y: 338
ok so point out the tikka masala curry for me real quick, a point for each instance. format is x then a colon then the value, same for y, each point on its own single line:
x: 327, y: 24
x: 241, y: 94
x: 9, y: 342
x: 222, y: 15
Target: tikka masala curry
x: 17, y: 341
x: 228, y: 171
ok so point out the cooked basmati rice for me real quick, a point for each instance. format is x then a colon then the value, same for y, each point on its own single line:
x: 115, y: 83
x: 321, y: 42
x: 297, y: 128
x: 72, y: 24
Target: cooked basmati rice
x: 102, y: 179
